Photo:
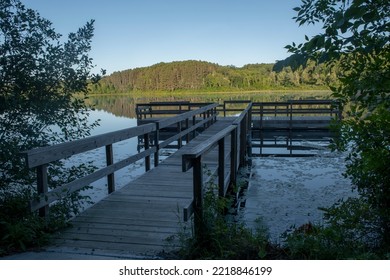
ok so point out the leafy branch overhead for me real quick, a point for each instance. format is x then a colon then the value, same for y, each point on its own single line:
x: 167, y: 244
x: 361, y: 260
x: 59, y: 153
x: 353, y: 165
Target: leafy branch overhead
x: 355, y: 35
x: 349, y: 26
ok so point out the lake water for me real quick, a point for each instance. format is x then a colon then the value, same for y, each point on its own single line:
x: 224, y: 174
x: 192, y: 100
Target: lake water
x: 108, y: 123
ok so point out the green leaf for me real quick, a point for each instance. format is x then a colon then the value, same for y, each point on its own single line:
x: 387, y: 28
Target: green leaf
x: 370, y: 16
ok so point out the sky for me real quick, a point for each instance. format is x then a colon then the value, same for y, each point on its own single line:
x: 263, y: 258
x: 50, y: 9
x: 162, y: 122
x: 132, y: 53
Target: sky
x: 138, y: 33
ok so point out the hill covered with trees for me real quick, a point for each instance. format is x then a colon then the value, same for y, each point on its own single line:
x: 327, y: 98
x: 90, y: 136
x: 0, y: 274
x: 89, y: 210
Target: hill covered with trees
x: 200, y: 75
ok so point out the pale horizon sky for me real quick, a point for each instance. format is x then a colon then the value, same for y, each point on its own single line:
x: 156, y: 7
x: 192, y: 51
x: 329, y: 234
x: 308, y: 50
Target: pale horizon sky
x: 139, y: 33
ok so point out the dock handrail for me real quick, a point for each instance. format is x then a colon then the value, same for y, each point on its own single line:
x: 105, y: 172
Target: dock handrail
x: 292, y: 108
x: 166, y: 108
x: 41, y: 157
x: 238, y: 132
x: 209, y: 116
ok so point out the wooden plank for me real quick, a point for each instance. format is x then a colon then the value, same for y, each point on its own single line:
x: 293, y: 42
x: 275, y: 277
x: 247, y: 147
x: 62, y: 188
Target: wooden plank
x: 157, y: 206
x: 43, y: 155
x: 138, y: 238
x: 173, y: 214
x: 110, y: 161
x: 115, y: 248
x: 123, y: 221
x: 205, y: 146
x: 149, y: 227
x: 42, y: 188
x: 107, y: 234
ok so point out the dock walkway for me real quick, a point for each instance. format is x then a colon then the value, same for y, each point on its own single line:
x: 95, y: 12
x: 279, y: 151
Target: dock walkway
x: 141, y: 218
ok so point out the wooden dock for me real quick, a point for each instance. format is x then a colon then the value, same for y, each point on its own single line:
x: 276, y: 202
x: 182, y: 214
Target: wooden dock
x: 143, y: 219
x: 145, y: 216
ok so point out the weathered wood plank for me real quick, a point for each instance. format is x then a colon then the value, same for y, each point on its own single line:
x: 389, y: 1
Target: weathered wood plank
x: 205, y: 146
x: 126, y: 227
x: 124, y: 222
x: 119, y: 236
x: 116, y: 248
x: 134, y: 235
x: 43, y: 155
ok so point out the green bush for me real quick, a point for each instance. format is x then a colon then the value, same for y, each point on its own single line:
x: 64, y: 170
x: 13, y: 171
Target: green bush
x: 222, y: 237
x: 350, y: 231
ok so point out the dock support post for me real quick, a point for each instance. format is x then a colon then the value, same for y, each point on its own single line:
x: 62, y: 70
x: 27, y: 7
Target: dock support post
x: 179, y: 140
x: 233, y: 157
x: 156, y: 143
x: 193, y: 124
x: 289, y: 145
x: 188, y: 139
x: 243, y: 140
x: 198, y: 195
x: 42, y: 188
x: 221, y: 167
x: 147, y: 158
x: 110, y: 161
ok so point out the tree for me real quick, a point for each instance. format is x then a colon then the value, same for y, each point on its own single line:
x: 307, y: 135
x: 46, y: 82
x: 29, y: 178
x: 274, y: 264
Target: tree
x: 356, y: 37
x: 43, y: 86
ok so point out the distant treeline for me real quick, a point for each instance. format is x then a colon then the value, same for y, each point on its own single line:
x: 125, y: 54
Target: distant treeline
x: 200, y: 75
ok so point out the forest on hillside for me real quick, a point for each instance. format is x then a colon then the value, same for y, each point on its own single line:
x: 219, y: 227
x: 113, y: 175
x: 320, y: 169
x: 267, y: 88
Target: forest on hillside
x: 200, y: 75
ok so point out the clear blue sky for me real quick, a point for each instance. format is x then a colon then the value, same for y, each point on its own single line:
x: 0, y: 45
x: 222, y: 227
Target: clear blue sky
x: 137, y: 33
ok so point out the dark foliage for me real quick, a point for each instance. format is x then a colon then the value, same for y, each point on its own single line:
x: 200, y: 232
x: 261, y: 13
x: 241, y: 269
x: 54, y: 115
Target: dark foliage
x: 40, y: 73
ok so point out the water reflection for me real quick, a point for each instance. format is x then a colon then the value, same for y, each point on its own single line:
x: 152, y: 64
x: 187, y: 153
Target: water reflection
x: 124, y: 105
x: 109, y: 122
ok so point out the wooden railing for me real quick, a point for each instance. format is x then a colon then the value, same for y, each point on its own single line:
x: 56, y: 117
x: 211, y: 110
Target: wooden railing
x: 166, y: 109
x: 40, y: 158
x: 231, y: 107
x: 208, y: 115
x: 294, y: 108
x: 239, y: 133
x: 291, y: 121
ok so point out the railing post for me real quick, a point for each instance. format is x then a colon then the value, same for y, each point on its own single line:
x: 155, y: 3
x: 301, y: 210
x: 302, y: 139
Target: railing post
x: 156, y: 143
x: 42, y: 188
x: 198, y: 195
x: 249, y: 135
x: 233, y: 157
x: 147, y: 158
x: 179, y: 140
x: 221, y: 167
x: 194, y: 123
x: 187, y: 135
x: 243, y: 140
x: 290, y: 127
x: 339, y: 111
x: 110, y: 161
x: 261, y: 131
